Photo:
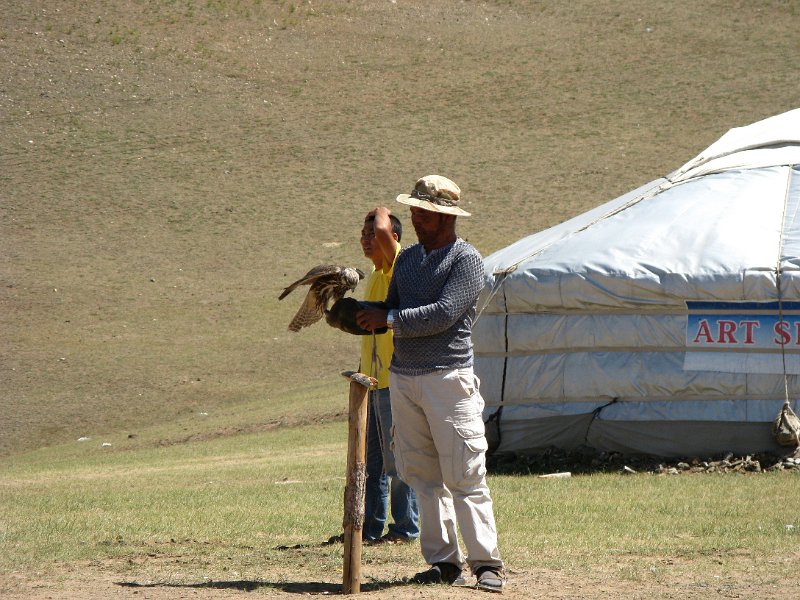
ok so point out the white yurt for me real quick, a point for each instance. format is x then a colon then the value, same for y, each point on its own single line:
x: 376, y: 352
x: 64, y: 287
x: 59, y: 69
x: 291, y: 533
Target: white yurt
x: 665, y: 322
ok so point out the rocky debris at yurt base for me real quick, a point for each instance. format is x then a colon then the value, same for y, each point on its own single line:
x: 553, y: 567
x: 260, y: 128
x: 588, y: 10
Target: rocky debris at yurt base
x: 586, y: 460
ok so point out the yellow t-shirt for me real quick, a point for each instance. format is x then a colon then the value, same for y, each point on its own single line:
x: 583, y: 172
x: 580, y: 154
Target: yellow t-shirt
x: 376, y: 290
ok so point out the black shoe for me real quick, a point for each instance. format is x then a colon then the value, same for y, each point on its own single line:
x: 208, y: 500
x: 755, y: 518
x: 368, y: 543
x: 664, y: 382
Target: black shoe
x: 441, y: 572
x: 491, y: 579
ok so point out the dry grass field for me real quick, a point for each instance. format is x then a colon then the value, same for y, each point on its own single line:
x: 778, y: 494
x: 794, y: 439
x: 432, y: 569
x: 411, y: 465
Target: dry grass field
x: 168, y: 166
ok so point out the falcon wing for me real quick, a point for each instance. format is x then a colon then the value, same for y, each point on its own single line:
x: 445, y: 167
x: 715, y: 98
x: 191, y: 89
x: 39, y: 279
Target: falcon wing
x: 310, y: 312
x: 311, y: 277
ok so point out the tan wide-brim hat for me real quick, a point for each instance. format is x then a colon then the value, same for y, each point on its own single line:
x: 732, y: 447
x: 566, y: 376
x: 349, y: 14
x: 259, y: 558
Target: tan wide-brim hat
x: 436, y: 194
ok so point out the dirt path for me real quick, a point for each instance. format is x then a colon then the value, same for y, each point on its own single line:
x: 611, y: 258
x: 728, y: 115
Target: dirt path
x: 112, y: 579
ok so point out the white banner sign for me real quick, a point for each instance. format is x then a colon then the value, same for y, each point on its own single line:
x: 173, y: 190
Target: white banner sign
x: 743, y: 337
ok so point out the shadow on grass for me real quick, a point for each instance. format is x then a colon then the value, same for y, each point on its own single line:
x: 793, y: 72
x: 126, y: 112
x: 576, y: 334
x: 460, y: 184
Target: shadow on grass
x: 291, y: 587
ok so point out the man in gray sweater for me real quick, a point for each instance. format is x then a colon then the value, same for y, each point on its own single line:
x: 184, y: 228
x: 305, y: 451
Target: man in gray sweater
x: 437, y: 408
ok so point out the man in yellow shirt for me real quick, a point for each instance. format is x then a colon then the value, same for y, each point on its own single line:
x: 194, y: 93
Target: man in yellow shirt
x: 380, y: 241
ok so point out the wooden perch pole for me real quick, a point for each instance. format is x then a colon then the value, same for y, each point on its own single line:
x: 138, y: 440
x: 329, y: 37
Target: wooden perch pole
x: 356, y: 480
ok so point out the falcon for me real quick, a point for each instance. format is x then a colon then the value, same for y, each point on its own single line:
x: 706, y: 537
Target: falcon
x: 329, y: 283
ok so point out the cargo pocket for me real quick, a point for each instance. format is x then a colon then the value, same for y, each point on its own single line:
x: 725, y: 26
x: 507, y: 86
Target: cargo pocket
x: 469, y: 452
x: 467, y: 381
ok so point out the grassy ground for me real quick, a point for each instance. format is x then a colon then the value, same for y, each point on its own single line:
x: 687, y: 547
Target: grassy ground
x: 102, y: 520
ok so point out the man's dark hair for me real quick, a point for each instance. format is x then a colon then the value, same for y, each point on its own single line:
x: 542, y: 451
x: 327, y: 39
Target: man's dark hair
x: 397, y: 226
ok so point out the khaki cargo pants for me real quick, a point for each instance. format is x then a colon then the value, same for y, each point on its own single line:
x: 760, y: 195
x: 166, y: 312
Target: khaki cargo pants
x: 440, y: 450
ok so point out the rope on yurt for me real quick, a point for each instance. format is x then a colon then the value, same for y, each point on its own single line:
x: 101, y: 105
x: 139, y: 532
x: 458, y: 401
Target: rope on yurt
x: 500, y: 276
x: 596, y: 413
x: 786, y: 427
x: 495, y: 435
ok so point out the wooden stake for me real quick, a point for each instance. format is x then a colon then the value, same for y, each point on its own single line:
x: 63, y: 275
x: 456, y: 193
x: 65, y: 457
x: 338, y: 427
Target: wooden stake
x: 356, y: 480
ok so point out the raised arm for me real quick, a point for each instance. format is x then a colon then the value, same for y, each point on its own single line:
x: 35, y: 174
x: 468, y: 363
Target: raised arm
x: 384, y: 239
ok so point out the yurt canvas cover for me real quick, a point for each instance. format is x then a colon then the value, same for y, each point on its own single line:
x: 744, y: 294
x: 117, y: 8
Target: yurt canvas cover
x: 665, y: 322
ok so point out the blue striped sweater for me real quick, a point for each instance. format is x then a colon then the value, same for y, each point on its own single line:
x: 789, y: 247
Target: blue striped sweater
x: 436, y: 297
